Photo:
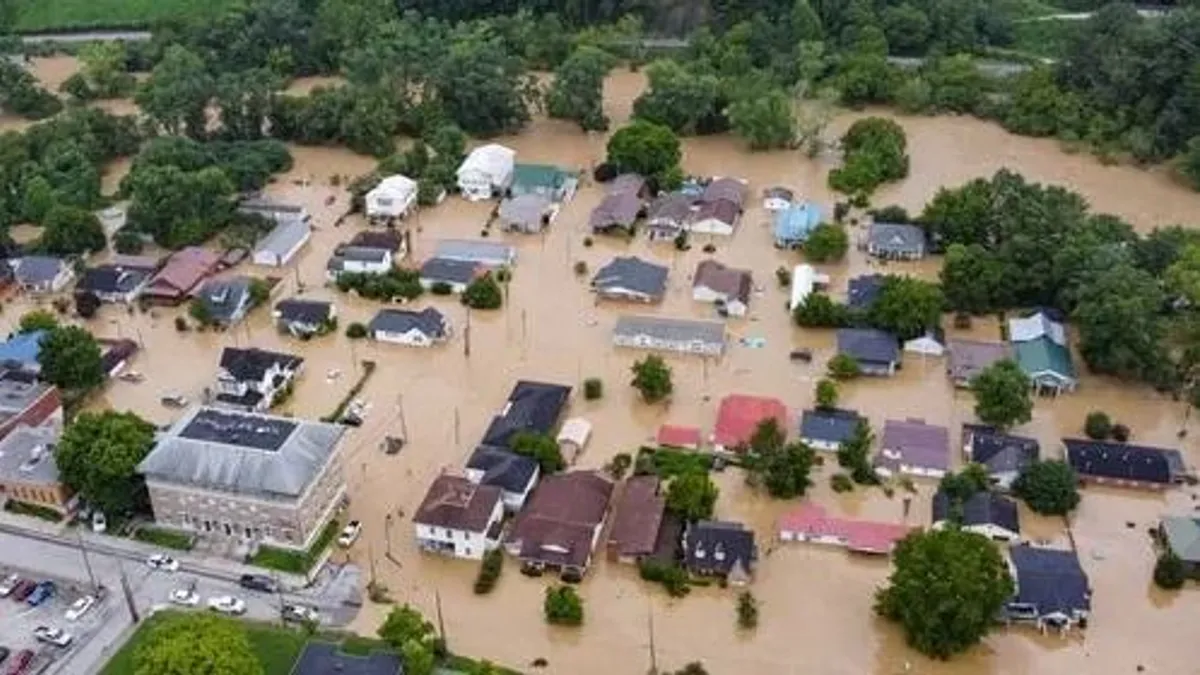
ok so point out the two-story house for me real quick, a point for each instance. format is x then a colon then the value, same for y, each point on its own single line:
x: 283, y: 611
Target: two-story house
x: 252, y: 379
x: 459, y: 518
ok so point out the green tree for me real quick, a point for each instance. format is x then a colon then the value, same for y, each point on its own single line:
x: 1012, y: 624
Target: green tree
x: 864, y: 79
x: 907, y: 307
x: 766, y: 121
x: 855, y: 454
x: 1098, y: 425
x: 820, y: 311
x: 179, y: 208
x: 483, y: 293
x: 480, y: 87
x: 1183, y: 275
x: 945, y: 590
x: 540, y: 447
x: 98, y: 456
x: 1189, y: 163
x: 652, y: 378
x: 577, y: 93
x: 21, y: 94
x: 876, y: 152
x: 828, y: 242
x: 177, y: 94
x: 680, y: 99
x: 104, y: 69
x: 1120, y: 331
x: 843, y: 367
x: 71, y: 231
x: 563, y: 606
x: 645, y: 148
x: 786, y: 472
x: 69, y: 357
x: 406, y: 631
x: 692, y: 496
x: 37, y: 319
x: 128, y: 242
x: 1002, y: 395
x: 747, y: 611
x: 907, y: 29
x: 826, y: 393
x: 1049, y: 487
x: 956, y: 83
x: 973, y: 280
x: 195, y: 644
x: 1169, y: 571
x: 961, y: 486
x: 1038, y: 107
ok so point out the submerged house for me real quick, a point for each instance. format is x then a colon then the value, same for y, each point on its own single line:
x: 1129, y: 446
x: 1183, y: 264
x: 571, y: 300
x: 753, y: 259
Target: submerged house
x: 984, y: 513
x: 1181, y: 534
x: 1052, y: 590
x: 459, y: 518
x: 631, y: 278
x: 719, y: 208
x: 486, y: 172
x: 559, y: 529
x: 810, y: 522
x: 913, y: 448
x: 252, y: 379
x: 546, y: 180
x: 528, y: 213
x: 391, y: 199
x: 282, y: 243
x: 423, y: 328
x: 876, y: 352
x: 226, y: 301
x: 1042, y: 351
x: 669, y: 215
x: 739, y: 415
x: 304, y: 317
x: 687, y: 336
x: 637, y: 520
x: 115, y: 283
x: 969, y: 358
x: 714, y: 548
x: 896, y: 241
x: 621, y: 206
x: 181, y: 274
x: 1124, y: 465
x: 794, y: 223
x: 1004, y: 455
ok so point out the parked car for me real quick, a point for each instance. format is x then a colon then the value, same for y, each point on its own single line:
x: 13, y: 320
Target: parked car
x: 185, y: 597
x: 41, y: 593
x: 350, y: 534
x: 161, y: 561
x: 80, y: 607
x: 99, y: 522
x: 300, y: 614
x: 53, y: 636
x: 258, y: 582
x: 174, y: 401
x: 9, y: 584
x: 227, y: 604
x: 23, y: 590
x: 20, y: 662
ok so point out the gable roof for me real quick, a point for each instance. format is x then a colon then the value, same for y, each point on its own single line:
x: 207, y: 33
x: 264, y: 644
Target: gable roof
x: 224, y: 297
x: 23, y: 349
x: 915, y: 443
x: 525, y: 209
x: 185, y: 268
x: 284, y: 237
x: 456, y: 503
x: 862, y: 291
x: 730, y: 190
x: 397, y: 186
x: 38, y: 269
x: 739, y: 415
x: 503, y: 468
x: 476, y: 250
x: 634, y: 274
x: 428, y: 321
x: 1036, y: 326
x: 1122, y: 461
x: 532, y: 406
x: 667, y: 328
x: 384, y: 240
x: 450, y: 271
x: 559, y: 521
x: 1050, y: 580
x: 617, y: 208
x: 492, y: 159
x: 868, y: 345
x: 673, y: 207
x: 113, y: 278
x: 722, y: 210
x: 538, y: 176
x: 832, y: 425
x: 811, y: 519
x: 896, y: 237
x: 252, y: 363
x: 637, y: 516
x: 1183, y: 536
x: 1043, y: 355
x: 626, y: 182
x: 998, y: 451
x: 704, y: 539
x: 797, y: 221
x: 728, y: 281
x: 303, y: 311
x: 968, y: 358
x: 981, y: 508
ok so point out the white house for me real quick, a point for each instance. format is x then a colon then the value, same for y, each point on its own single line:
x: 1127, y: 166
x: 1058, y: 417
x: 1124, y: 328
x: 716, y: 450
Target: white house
x: 251, y: 379
x: 413, y: 329
x: 805, y: 279
x: 392, y: 198
x: 486, y: 172
x: 283, y: 243
x: 573, y: 437
x: 929, y: 344
x: 360, y: 260
x: 984, y: 513
x: 459, y: 518
x: 726, y: 287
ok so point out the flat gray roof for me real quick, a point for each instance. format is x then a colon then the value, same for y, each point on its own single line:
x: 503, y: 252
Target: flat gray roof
x: 27, y: 455
x: 243, y: 453
x: 665, y: 328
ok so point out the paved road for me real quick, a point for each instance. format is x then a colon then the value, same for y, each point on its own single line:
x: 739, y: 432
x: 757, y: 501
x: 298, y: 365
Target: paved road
x: 149, y: 588
x: 89, y: 36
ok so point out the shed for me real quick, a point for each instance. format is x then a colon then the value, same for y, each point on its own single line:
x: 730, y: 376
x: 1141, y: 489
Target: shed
x: 281, y: 245
x: 573, y: 436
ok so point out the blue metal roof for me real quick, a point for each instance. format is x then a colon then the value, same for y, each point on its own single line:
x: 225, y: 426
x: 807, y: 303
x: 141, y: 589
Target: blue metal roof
x: 796, y: 222
x: 22, y: 348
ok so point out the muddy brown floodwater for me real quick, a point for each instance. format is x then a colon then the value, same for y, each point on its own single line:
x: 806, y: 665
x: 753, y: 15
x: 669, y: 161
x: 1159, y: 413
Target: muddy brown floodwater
x: 815, y: 604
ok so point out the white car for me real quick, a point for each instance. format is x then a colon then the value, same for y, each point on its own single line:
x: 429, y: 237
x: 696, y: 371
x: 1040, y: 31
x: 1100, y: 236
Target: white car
x: 54, y: 636
x: 80, y: 607
x: 163, y: 562
x: 9, y: 583
x: 227, y: 604
x: 185, y: 597
x: 300, y: 614
x: 99, y: 522
x: 350, y: 534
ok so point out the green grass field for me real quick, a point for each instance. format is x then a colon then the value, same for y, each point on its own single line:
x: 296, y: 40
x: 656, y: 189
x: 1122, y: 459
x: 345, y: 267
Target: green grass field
x: 67, y: 15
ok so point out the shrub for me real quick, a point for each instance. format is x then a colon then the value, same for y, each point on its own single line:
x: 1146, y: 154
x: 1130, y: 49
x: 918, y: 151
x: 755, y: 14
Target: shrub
x: 587, y: 242
x: 1098, y: 426
x: 128, y: 242
x: 783, y: 276
x: 34, y: 510
x: 840, y: 482
x: 593, y: 388
x: 681, y: 241
x: 581, y: 268
x: 710, y: 248
x: 672, y: 577
x: 747, y: 611
x: 843, y: 367
x: 181, y: 324
x: 356, y: 331
x: 563, y: 606
x: 1169, y: 572
x: 619, y: 465
x: 441, y: 288
x: 489, y: 571
x: 483, y: 293
x: 1120, y: 433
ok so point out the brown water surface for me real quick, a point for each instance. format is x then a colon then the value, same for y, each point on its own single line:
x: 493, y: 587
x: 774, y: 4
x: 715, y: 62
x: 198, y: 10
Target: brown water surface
x: 816, y: 604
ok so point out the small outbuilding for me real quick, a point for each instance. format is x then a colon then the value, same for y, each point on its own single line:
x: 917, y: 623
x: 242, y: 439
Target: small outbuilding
x: 282, y: 243
x: 573, y: 437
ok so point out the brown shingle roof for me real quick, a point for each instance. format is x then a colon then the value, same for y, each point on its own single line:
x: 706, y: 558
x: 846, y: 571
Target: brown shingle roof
x: 456, y: 503
x: 556, y: 524
x: 618, y: 208
x: 733, y: 283
x: 638, y: 516
x: 731, y: 190
x: 183, y: 271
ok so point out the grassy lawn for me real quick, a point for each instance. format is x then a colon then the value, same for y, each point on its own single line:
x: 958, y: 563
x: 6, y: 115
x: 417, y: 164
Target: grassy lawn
x: 35, y: 510
x: 48, y: 15
x: 297, y: 562
x: 668, y: 463
x: 276, y: 648
x: 164, y: 538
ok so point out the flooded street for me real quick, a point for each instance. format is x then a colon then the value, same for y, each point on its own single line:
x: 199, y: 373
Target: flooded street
x: 815, y: 604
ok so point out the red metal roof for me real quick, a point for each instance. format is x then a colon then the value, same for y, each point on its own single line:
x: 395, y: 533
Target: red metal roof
x: 739, y: 415
x: 679, y: 437
x: 860, y: 535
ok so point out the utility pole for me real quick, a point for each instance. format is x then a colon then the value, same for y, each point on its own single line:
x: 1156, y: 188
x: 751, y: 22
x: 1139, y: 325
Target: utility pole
x: 387, y: 533
x: 87, y: 564
x: 455, y: 426
x: 437, y: 602
x: 467, y: 336
x: 400, y: 413
x: 129, y: 603
x: 653, y: 651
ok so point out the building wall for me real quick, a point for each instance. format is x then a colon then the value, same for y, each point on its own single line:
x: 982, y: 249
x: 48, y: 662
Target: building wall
x: 651, y: 342
x: 475, y: 185
x: 52, y: 495
x: 413, y: 338
x: 921, y: 471
x: 1123, y: 483
x: 455, y: 286
x: 457, y: 542
x: 711, y: 226
x: 820, y: 444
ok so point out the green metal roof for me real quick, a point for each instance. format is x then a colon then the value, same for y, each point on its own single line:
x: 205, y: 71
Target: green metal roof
x: 1044, y: 355
x: 538, y: 175
x: 1183, y: 536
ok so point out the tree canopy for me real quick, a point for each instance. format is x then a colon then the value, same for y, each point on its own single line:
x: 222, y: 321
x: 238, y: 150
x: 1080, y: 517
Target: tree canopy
x: 906, y: 307
x: 1049, y: 487
x: 876, y: 152
x: 578, y: 90
x: 652, y: 378
x: 692, y: 495
x: 196, y: 644
x: 649, y: 149
x: 98, y: 456
x: 945, y: 590
x: 70, y: 358
x: 1003, y: 395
